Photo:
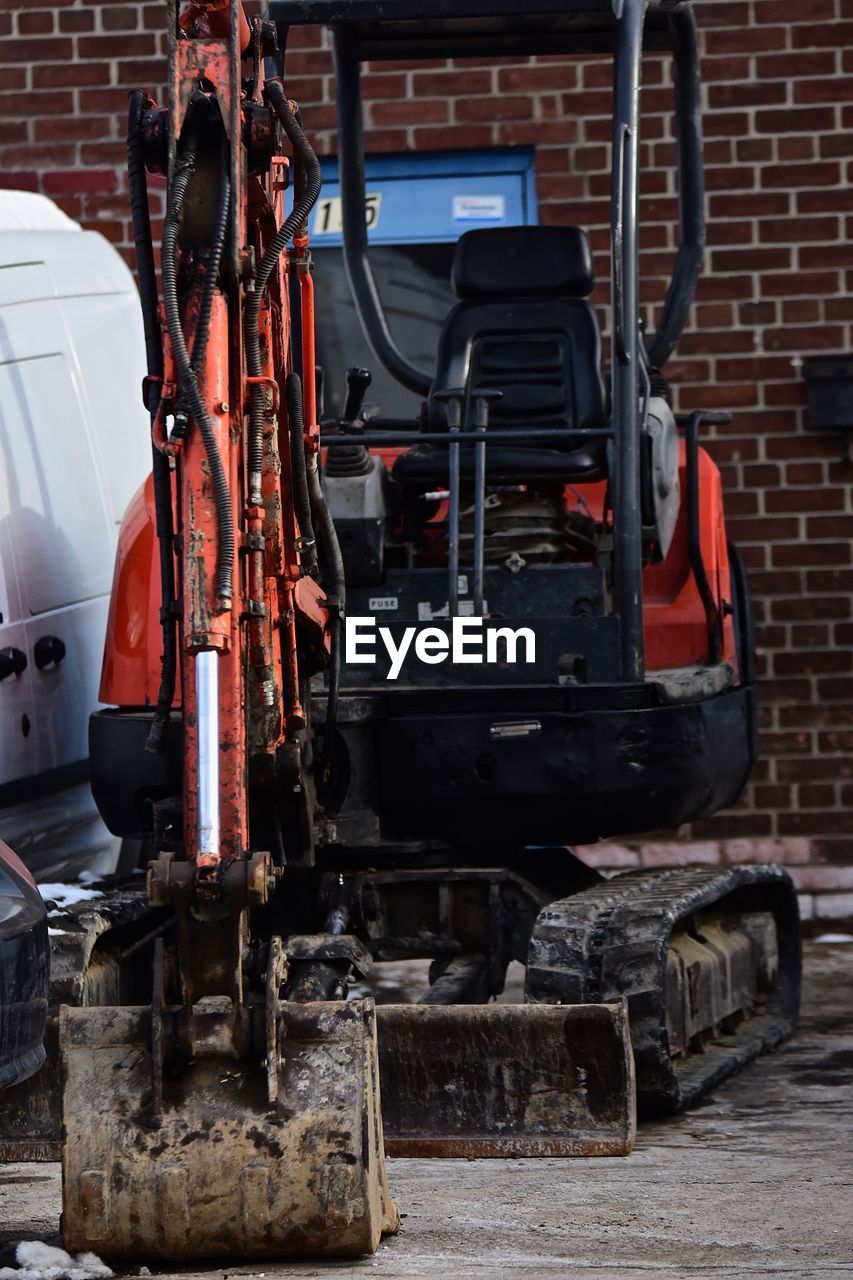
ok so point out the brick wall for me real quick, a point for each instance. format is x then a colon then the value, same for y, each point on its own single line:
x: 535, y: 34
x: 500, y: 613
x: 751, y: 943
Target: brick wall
x: 779, y: 151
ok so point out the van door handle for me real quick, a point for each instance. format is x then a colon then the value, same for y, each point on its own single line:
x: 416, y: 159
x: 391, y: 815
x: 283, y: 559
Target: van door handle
x: 47, y: 651
x: 12, y: 662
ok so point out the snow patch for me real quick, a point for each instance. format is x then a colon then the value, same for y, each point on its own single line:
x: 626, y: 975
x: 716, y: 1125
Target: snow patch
x: 39, y: 1261
x: 834, y: 937
x: 67, y: 895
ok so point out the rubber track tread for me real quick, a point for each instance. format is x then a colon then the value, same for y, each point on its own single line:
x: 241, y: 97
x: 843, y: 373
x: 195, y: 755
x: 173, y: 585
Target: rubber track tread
x: 611, y: 941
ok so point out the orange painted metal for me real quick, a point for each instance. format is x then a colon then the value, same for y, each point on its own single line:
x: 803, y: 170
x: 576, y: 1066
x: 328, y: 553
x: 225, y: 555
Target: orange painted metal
x: 676, y: 630
x: 212, y: 18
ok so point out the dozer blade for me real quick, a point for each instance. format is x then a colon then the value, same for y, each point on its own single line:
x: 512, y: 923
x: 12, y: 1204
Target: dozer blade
x: 506, y: 1080
x: 216, y: 1170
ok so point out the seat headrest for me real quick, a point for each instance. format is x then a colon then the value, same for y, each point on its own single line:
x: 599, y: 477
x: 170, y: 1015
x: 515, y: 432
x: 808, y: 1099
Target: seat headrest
x: 553, y: 262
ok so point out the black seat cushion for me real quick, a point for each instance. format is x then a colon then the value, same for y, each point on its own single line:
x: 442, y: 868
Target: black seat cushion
x: 500, y: 262
x: 543, y: 355
x: 523, y: 327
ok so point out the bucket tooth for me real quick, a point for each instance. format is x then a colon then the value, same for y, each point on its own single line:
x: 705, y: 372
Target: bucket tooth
x: 220, y: 1171
x: 506, y: 1080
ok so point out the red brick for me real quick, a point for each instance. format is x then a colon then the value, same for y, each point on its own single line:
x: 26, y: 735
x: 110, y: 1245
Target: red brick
x: 119, y: 18
x: 73, y: 128
x: 446, y: 83
x: 811, y: 606
x: 13, y: 77
x: 116, y: 46
x: 739, y: 40
x: 37, y: 23
x: 12, y: 181
x: 831, y: 201
x: 429, y: 111
x: 804, y: 472
x: 788, y: 852
x: 670, y: 854
x: 507, y: 108
x: 608, y: 856
x: 820, y: 878
x: 794, y: 10
x: 453, y: 136
x: 52, y: 49
x: 824, y: 90
x: 810, y: 338
x: 77, y: 20
x: 798, y: 120
x: 73, y: 75
x: 69, y: 181
x: 792, y: 65
x: 796, y: 311
x: 797, y: 229
x: 762, y: 93
x: 831, y: 35
x: 537, y: 78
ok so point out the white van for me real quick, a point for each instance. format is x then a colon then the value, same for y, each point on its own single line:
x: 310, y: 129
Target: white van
x: 74, y: 446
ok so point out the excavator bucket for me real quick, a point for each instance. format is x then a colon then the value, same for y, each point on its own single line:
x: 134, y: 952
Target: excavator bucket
x: 507, y: 1080
x: 212, y: 1168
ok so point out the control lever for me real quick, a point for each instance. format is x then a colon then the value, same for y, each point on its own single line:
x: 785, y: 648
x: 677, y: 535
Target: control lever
x: 483, y: 398
x: 351, y: 459
x: 358, y: 380
x: 451, y: 398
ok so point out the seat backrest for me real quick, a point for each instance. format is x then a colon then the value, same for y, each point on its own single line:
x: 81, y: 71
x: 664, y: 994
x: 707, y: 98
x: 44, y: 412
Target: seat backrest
x: 523, y: 327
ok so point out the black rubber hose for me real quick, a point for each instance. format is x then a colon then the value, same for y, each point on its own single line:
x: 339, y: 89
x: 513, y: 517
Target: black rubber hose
x: 292, y: 224
x: 162, y: 478
x: 214, y: 257
x: 184, y: 168
x: 299, y: 474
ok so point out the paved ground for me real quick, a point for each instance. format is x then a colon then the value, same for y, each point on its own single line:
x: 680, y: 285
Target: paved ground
x: 757, y: 1182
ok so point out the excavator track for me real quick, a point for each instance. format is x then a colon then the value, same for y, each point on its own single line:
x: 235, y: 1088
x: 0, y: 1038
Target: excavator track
x: 708, y: 958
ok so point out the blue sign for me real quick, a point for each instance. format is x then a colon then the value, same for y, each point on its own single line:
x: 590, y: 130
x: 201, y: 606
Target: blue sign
x: 432, y: 198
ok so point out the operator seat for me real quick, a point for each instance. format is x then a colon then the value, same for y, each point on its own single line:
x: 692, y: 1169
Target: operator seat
x: 523, y: 327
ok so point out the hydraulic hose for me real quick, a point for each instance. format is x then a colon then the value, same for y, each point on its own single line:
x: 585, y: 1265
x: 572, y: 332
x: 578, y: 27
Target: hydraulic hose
x: 299, y: 476
x: 214, y: 257
x: 292, y: 224
x: 161, y: 474
x: 184, y: 169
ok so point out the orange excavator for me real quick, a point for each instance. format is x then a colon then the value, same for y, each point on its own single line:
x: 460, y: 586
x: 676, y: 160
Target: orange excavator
x: 328, y: 772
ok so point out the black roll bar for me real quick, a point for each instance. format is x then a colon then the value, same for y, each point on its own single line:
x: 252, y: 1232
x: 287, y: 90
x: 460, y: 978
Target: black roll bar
x: 368, y: 303
x: 691, y: 189
x: 624, y: 290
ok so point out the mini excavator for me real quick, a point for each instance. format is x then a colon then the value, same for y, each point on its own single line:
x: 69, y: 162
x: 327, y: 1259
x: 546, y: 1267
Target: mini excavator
x: 310, y: 817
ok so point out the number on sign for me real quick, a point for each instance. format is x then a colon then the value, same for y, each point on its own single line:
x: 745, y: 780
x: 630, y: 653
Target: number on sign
x: 328, y: 220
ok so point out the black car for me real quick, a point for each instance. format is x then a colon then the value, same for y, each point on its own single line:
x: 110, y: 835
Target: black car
x: 24, y: 971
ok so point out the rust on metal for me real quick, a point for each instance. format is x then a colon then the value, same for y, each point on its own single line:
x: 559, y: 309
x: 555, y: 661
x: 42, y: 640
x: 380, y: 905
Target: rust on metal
x: 717, y: 967
x: 506, y: 1080
x: 220, y: 1171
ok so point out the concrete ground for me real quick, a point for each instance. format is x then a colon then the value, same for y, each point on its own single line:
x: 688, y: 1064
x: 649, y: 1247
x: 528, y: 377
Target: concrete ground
x: 758, y: 1181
